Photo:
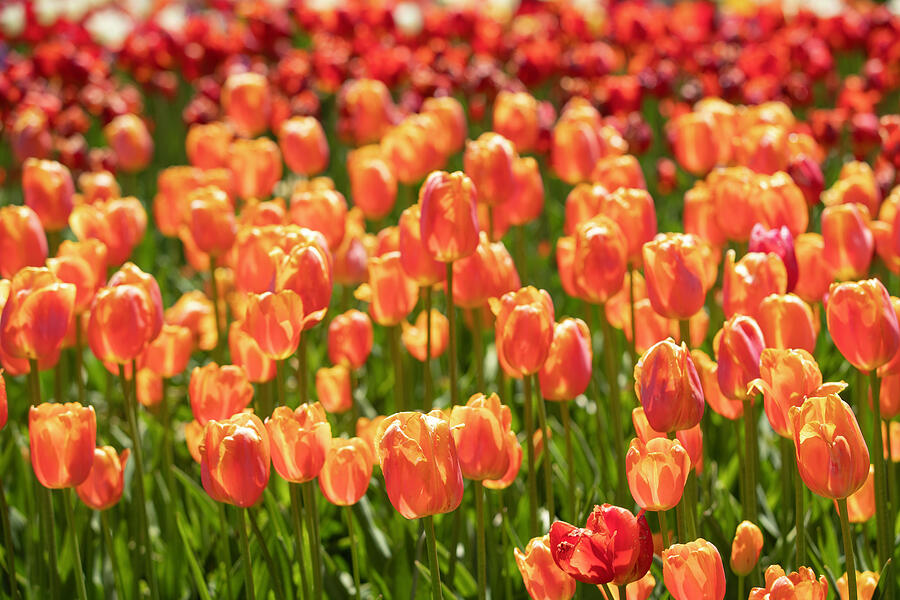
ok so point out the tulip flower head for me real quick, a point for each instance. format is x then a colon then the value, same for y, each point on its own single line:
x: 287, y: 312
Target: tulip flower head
x: 217, y: 393
x: 449, y: 222
x: 103, y: 487
x: 657, y: 471
x: 23, y: 242
x: 866, y: 583
x: 276, y: 321
x: 542, y: 578
x: 669, y: 387
x: 567, y: 370
x: 333, y: 388
x: 350, y: 337
x: 235, y: 460
x: 391, y: 294
x: 345, y: 475
x: 48, y: 190
x: 862, y: 322
x: 600, y: 259
x: 802, y: 583
x: 300, y: 441
x: 62, y: 438
x: 304, y: 145
x: 488, y: 161
x: 37, y: 314
x: 738, y: 347
x: 415, y: 339
x: 694, y: 571
x: 523, y: 330
x: 745, y: 549
x: 481, y: 431
x: 676, y: 273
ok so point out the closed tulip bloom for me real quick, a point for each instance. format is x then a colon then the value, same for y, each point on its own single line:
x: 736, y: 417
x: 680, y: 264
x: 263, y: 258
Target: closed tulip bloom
x: 149, y: 388
x: 207, y: 144
x: 304, y: 145
x: 324, y: 211
x: 780, y: 204
x: 103, y: 487
x: 480, y: 432
x: 130, y: 141
x: 849, y: 244
x: 366, y: 110
x: 675, y: 271
x: 526, y: 202
x: 415, y: 337
x: 246, y: 353
x: 350, y: 338
x: 194, y: 310
x: 410, y: 148
x: 414, y: 256
x: 37, y: 314
x: 83, y: 264
x: 584, y: 202
x: 449, y: 113
x: 787, y: 322
x: 567, y: 370
x: 745, y: 549
x: 733, y: 191
x: 815, y: 274
x: 523, y: 330
x: 306, y: 270
x: 256, y: 165
x: 48, y: 190
x: 418, y: 458
x: 719, y: 402
x: 633, y: 211
x: 786, y: 378
x: 738, y: 348
x: 300, y: 440
x: 276, y: 321
x: 542, y: 578
x: 614, y: 546
x: 516, y: 118
x: 217, y: 393
x: 799, y: 585
x: 212, y: 223
x: 62, y: 438
x: 699, y: 215
x: 694, y: 571
x: 695, y: 142
x: 746, y: 282
x: 832, y: 456
x: 488, y: 161
x: 861, y: 503
x: 488, y: 273
x: 615, y: 172
x: 391, y: 294
x: 449, y: 223
x: 862, y: 322
x: 600, y: 259
x: 514, y: 451
x: 333, y: 388
x: 247, y: 102
x: 345, y: 476
x: 118, y: 223
x: 169, y: 353
x: 780, y: 242
x: 235, y: 460
x: 866, y: 584
x: 575, y: 149
x: 373, y: 186
x: 657, y: 471
x: 670, y: 389
x: 23, y: 242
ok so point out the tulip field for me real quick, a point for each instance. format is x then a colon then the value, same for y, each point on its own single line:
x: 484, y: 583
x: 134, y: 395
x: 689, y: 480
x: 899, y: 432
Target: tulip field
x: 396, y: 300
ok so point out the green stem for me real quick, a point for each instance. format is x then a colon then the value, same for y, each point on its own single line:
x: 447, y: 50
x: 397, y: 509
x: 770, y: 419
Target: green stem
x: 354, y: 551
x: 482, y: 546
x: 79, y: 360
x: 680, y: 526
x: 274, y: 572
x: 302, y: 375
x: 684, y: 331
x: 742, y: 581
x: 787, y: 455
x: 529, y: 442
x: 45, y: 502
x: 299, y: 559
x: 111, y: 552
x: 608, y: 592
x: 312, y: 524
x: 245, y: 552
x: 214, y: 287
x: 664, y: 529
x: 615, y: 404
x: 478, y: 347
x: 885, y: 528
x: 633, y: 345
x: 429, y: 384
x: 168, y: 450
x: 849, y: 561
x: 226, y: 547
x: 800, y: 518
x: 690, y: 507
x: 397, y: 359
x: 8, y: 545
x: 548, y: 462
x: 280, y: 368
x: 434, y: 567
x: 742, y: 474
x: 76, y: 550
x: 451, y: 355
x: 570, y: 459
x: 750, y: 460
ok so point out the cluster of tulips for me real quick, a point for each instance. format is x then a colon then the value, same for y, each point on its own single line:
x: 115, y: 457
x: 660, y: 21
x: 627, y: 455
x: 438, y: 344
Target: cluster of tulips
x: 210, y: 269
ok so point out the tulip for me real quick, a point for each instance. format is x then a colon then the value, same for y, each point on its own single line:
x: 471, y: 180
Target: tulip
x: 849, y: 244
x: 676, y: 275
x: 103, y: 487
x: 391, y: 294
x: 615, y: 172
x: 694, y: 571
x: 488, y: 161
x: 734, y: 191
x: 780, y: 205
x: 130, y: 142
x: 524, y: 330
x: 30, y: 135
x: 787, y: 321
x: 366, y: 109
x: 373, y: 186
x: 613, y: 547
x: 542, y: 578
x: 83, y: 264
x: 633, y: 211
x: 669, y: 387
x: 700, y: 216
x: 599, y: 261
x: 862, y: 322
x: 657, y: 472
x: 691, y: 439
x: 247, y: 102
x: 801, y: 584
x: 256, y: 165
x: 449, y: 113
x: 480, y: 429
x: 246, y: 353
x: 61, y: 440
x: 36, y: 315
x: 276, y: 321
x: 779, y: 242
x: 695, y: 142
x: 815, y: 274
x: 235, y: 460
x: 414, y: 257
x: 584, y: 202
x: 300, y: 441
x: 217, y: 393
x: 346, y: 472
x: 48, y: 190
x: 738, y: 349
x: 566, y: 372
x: 449, y: 225
x: 22, y: 240
x: 304, y: 145
x: 306, y: 269
x: 207, y: 145
x: 350, y: 339
x: 526, y: 203
x: 636, y: 590
x: 515, y: 117
x: 745, y: 549
x: 124, y: 320
x: 488, y: 273
x: 334, y: 388
x: 747, y: 282
x: 415, y: 337
x: 118, y: 223
x: 324, y: 211
x: 149, y: 389
x: 409, y: 148
x: 169, y: 353
x: 212, y: 222
x: 861, y: 503
x: 195, y: 311
x: 712, y: 393
x: 787, y: 378
x: 575, y: 149
x: 866, y: 583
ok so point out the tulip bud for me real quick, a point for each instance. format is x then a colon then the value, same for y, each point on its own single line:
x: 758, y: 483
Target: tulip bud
x: 130, y: 142
x: 415, y: 337
x: 61, y: 440
x: 207, y: 145
x: 567, y: 370
x: 676, y: 275
x: 516, y: 118
x: 745, y: 549
x: 300, y: 441
x: 633, y: 211
x: 23, y: 242
x: 866, y: 584
x: 849, y: 244
x: 814, y: 272
x: 247, y: 102
x: 738, y: 345
x: 449, y: 225
x: 747, y: 282
x: 526, y: 202
x: 350, y: 339
x: 256, y: 165
x: 37, y: 314
x: 306, y: 270
x: 788, y: 322
x: 346, y: 472
x: 169, y: 353
x: 670, y: 389
x: 600, y: 259
x: 333, y: 389
x: 542, y: 578
x: 584, y: 202
x: 780, y: 203
x: 212, y: 222
x: 480, y: 430
x: 48, y: 190
x: 648, y: 464
x: 235, y: 460
x: 103, y: 487
x: 409, y: 148
x: 734, y: 191
x: 803, y: 580
x: 217, y: 393
x: 862, y: 322
x: 373, y: 186
x: 304, y: 145
x: 523, y: 330
x: 694, y: 571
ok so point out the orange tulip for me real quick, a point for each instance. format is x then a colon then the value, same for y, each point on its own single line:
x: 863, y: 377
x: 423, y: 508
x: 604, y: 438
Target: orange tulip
x: 103, y: 486
x: 149, y: 388
x: 333, y: 388
x: 62, y: 439
x: 22, y: 240
x: 800, y: 585
x: 763, y: 148
x: 235, y: 460
x: 193, y: 436
x: 390, y: 293
x: 48, y: 190
x: 542, y: 578
x: 700, y: 215
x: 451, y: 134
x: 747, y: 282
x: 246, y: 353
x: 345, y: 475
x: 787, y: 322
x: 615, y: 172
x: 29, y: 134
x: 695, y: 142
x: 584, y: 202
x: 849, y: 244
x: 414, y: 256
x: 832, y: 456
x: 636, y: 590
x: 217, y: 393
x: 324, y: 211
x: 170, y: 206
x: 567, y: 370
x: 633, y: 211
x: 304, y: 145
x: 257, y: 213
x: 194, y: 310
x: 694, y: 571
x: 415, y: 338
x: 669, y: 387
x: 514, y: 450
x: 526, y: 202
x: 691, y: 439
x: 169, y: 353
x: 481, y: 431
x: 780, y: 203
x: 350, y: 339
x: 207, y: 145
x: 247, y: 102
x: 745, y: 549
x: 449, y: 225
x: 409, y: 148
x: 866, y: 584
x: 488, y: 273
x: 488, y: 161
x: 306, y: 270
x: 420, y: 465
x: 515, y: 117
x: 126, y: 316
x: 733, y: 191
x: 300, y: 441
x: 575, y: 149
x: 814, y: 272
x: 677, y: 275
x: 251, y: 256
x: 256, y: 165
x: 657, y: 471
x: 373, y: 186
x: 861, y: 503
x: 856, y: 184
x: 863, y: 324
x: 276, y: 321
x: 366, y: 429
x: 37, y: 314
x: 738, y: 345
x: 130, y: 142
x: 721, y: 404
x: 523, y: 330
x: 212, y: 223
x: 599, y: 259
x: 83, y: 264
x: 118, y: 223
x: 366, y: 110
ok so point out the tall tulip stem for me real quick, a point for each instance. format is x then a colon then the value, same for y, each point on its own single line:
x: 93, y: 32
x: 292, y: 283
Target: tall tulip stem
x: 608, y: 592
x: 451, y: 355
x: 354, y: 551
x: 800, y: 517
x: 312, y: 525
x: 663, y: 528
x: 79, y: 359
x: 226, y: 547
x: 548, y: 461
x: 429, y: 384
x: 615, y: 404
x: 529, y: 445
x: 433, y: 565
x: 245, y: 552
x: 9, y: 549
x: 44, y: 500
x: 570, y: 459
x: 885, y: 541
x: 482, y: 546
x: 850, y: 563
x: 478, y: 348
x: 397, y: 360
x: 76, y: 550
x: 299, y: 558
x: 302, y: 375
x: 750, y: 451
x: 111, y: 552
x: 214, y: 289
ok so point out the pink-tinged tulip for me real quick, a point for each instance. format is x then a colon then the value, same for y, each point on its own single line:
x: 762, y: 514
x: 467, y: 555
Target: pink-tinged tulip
x: 694, y: 571
x: 669, y: 387
x: 235, y: 460
x: 863, y: 323
x: 738, y: 345
x: 350, y: 338
x: 656, y: 472
x: 815, y: 274
x: 567, y: 370
x: 676, y: 271
x: 779, y: 242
